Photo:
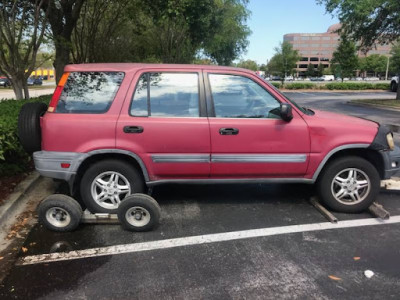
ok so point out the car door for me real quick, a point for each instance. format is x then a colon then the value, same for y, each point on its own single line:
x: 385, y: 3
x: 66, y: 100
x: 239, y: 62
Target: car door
x: 248, y: 137
x: 164, y: 122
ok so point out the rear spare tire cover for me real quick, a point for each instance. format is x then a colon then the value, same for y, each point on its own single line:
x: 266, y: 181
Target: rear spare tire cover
x: 29, y: 131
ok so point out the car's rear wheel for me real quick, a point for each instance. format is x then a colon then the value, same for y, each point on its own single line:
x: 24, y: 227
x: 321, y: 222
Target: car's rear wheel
x: 393, y: 86
x: 349, y: 184
x: 107, y: 183
x: 29, y: 131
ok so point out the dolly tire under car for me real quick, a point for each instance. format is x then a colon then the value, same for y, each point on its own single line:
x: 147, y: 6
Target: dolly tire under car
x: 60, y: 213
x: 139, y: 212
x: 29, y: 131
x: 349, y: 184
x: 107, y: 183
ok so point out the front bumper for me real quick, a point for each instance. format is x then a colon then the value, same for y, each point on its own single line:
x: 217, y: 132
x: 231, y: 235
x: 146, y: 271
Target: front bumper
x: 391, y: 161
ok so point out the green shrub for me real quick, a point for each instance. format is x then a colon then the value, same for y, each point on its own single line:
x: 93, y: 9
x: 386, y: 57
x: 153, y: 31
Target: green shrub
x: 356, y: 86
x: 300, y: 86
x: 13, y: 158
x: 382, y: 86
x: 278, y: 85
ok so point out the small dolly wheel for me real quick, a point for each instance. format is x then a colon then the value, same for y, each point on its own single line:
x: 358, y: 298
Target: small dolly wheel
x: 60, y: 213
x: 139, y: 212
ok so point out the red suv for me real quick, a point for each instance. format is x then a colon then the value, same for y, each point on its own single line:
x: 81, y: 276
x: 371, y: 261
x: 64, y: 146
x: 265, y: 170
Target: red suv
x: 115, y: 129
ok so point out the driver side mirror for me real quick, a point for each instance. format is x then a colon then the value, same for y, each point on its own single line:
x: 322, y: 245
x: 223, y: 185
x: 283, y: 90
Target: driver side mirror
x: 286, y: 112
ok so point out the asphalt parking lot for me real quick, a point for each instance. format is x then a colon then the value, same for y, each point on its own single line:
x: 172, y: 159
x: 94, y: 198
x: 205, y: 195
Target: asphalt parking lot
x: 270, y: 243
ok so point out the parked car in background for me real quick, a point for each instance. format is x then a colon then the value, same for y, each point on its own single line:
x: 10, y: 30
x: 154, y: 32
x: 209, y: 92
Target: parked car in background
x: 34, y: 81
x: 113, y: 133
x: 276, y: 78
x: 371, y: 78
x: 289, y: 78
x: 328, y: 77
x: 5, y: 82
x: 317, y: 79
x: 394, y: 84
x: 38, y: 81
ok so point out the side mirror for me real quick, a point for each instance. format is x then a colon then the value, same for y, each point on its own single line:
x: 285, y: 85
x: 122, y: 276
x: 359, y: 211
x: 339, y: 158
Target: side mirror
x: 286, y: 112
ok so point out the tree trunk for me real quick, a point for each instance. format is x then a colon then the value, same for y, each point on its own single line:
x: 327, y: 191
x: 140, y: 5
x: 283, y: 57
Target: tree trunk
x: 398, y: 87
x: 18, y: 88
x: 61, y: 59
x: 26, y: 90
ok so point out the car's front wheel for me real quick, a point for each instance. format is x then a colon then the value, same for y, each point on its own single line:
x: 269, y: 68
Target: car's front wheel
x: 349, y: 184
x: 108, y: 182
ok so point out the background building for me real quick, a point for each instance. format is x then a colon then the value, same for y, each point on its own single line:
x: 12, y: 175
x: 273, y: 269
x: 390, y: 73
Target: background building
x: 316, y: 48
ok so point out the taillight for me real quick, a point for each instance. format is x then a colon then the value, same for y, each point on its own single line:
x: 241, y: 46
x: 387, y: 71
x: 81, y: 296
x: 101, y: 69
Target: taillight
x: 57, y: 93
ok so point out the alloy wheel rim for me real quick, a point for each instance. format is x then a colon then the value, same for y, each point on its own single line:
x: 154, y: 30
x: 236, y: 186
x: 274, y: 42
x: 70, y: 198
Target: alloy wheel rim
x: 109, y: 189
x: 350, y: 186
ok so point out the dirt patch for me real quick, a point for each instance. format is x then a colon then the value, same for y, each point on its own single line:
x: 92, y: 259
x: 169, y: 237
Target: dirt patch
x: 8, y: 184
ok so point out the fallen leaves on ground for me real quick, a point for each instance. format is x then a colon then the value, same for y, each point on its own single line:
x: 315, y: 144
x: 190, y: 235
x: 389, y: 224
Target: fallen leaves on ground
x: 357, y: 258
x: 334, y: 278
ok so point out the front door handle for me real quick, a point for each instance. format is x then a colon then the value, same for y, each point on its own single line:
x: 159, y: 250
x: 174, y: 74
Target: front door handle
x: 229, y: 131
x: 133, y: 129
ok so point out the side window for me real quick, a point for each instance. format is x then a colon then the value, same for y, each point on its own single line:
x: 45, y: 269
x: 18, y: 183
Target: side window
x: 240, y: 97
x: 89, y: 92
x: 166, y: 95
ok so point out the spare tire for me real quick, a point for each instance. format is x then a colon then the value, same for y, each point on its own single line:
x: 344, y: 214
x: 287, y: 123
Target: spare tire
x: 29, y: 131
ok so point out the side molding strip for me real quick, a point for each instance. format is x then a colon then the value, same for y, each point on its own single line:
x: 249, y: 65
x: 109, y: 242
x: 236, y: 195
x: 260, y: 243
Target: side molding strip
x: 259, y: 158
x: 181, y: 158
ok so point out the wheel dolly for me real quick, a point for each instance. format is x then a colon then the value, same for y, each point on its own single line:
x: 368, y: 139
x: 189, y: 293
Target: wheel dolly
x: 62, y: 213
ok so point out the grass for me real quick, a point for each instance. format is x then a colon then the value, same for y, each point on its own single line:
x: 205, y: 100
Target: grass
x: 379, y: 102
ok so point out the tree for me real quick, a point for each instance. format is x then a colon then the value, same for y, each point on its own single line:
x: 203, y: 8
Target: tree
x: 320, y: 70
x: 62, y: 17
x: 395, y: 59
x: 373, y: 63
x: 169, y: 31
x: 368, y: 22
x: 22, y: 27
x: 228, y: 31
x: 345, y: 59
x: 248, y: 64
x: 284, y: 60
x: 100, y: 34
x: 310, y: 70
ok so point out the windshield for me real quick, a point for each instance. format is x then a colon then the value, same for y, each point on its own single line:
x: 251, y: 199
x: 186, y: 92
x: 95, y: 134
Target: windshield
x: 286, y: 97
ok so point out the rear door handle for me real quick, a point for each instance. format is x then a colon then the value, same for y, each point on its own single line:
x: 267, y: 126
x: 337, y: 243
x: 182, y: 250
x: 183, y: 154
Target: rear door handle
x: 229, y: 131
x: 133, y: 129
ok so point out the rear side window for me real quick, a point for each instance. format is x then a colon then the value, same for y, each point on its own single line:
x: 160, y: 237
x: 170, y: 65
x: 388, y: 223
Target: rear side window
x: 166, y: 95
x: 89, y: 92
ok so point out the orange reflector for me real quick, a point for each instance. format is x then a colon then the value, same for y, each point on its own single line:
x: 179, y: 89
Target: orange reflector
x: 65, y: 165
x: 63, y: 79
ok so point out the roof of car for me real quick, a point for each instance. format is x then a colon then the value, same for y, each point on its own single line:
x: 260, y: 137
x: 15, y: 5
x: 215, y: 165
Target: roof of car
x: 126, y: 67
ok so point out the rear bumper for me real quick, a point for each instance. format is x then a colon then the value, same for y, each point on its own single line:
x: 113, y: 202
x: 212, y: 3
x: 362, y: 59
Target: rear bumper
x: 48, y: 163
x: 391, y: 161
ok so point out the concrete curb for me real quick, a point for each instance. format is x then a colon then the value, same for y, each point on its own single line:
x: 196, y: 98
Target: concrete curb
x: 374, y: 105
x: 13, y: 201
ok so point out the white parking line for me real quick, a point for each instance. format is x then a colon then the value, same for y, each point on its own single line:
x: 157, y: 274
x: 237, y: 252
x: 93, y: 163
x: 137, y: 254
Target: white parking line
x: 198, y: 240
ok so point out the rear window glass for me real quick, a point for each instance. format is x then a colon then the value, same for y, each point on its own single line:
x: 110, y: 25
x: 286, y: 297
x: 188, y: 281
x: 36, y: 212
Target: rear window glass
x: 89, y: 92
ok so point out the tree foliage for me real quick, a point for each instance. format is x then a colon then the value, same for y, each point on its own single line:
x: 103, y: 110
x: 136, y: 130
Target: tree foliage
x: 373, y: 63
x: 172, y: 31
x: 367, y: 21
x: 345, y: 59
x: 248, y: 64
x: 22, y: 28
x: 284, y: 60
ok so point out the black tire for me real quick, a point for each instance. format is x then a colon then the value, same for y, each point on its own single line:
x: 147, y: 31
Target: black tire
x: 326, y: 187
x: 29, y: 132
x: 393, y: 86
x: 130, y: 173
x: 60, y: 213
x: 144, y: 207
